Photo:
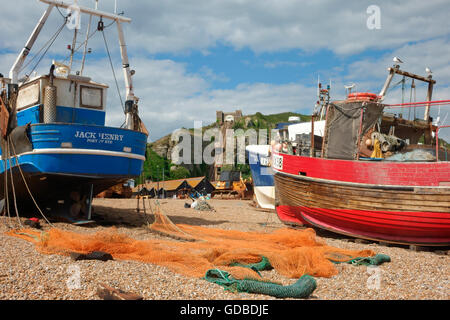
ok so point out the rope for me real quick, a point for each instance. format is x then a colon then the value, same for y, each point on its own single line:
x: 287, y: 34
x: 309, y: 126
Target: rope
x: 8, y: 152
x: 85, y: 41
x: 62, y: 14
x: 162, y: 214
x: 82, y: 44
x: 6, y: 190
x: 39, y: 51
x: 28, y: 189
x: 303, y: 288
x: 28, y: 235
x: 46, y: 50
x: 112, y: 68
x: 376, y: 260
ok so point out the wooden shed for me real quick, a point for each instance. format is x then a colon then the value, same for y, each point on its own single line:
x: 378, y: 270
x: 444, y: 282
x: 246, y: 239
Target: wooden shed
x: 201, y: 185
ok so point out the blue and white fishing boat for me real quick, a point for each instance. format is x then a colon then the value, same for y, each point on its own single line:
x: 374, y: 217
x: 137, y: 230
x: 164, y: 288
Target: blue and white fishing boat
x: 262, y: 174
x: 260, y: 156
x: 56, y: 148
x: 260, y: 159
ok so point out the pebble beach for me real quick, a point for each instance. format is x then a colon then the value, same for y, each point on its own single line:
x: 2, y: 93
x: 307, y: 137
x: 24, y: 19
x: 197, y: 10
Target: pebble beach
x: 26, y: 274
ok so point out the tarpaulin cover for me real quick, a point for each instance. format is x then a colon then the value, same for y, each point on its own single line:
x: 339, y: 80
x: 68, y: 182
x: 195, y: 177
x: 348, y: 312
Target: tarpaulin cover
x: 343, y: 127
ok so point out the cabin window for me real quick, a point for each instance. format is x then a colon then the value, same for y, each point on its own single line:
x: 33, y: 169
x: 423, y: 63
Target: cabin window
x: 91, y: 97
x: 28, y: 96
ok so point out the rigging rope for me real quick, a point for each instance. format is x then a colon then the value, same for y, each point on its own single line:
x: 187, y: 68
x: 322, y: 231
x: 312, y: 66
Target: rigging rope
x: 46, y: 50
x: 45, y: 45
x: 28, y: 189
x: 8, y: 151
x: 82, y: 44
x: 101, y: 28
x: 6, y: 209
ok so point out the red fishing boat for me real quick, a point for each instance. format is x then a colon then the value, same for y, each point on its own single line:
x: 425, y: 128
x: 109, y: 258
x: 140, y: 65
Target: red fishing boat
x: 373, y: 175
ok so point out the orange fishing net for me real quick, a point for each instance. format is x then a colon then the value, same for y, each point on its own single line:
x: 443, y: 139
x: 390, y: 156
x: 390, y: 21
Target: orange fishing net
x: 292, y: 253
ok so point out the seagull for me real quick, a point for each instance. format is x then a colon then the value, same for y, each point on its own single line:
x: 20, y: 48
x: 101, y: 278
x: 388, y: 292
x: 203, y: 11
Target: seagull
x: 428, y: 70
x: 350, y: 87
x: 397, y: 60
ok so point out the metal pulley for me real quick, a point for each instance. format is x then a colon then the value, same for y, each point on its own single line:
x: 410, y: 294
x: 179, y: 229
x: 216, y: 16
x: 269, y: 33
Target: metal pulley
x: 388, y: 142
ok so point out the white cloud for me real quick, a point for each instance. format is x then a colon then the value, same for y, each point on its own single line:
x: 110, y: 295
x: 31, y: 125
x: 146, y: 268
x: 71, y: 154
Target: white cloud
x: 261, y: 25
x: 172, y: 97
x: 174, y: 26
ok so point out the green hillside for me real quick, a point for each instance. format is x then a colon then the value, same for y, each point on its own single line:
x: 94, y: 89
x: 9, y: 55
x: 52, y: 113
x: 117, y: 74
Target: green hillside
x: 260, y: 121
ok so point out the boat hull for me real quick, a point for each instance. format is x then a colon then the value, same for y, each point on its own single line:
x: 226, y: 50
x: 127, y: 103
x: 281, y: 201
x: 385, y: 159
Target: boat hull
x: 95, y: 161
x: 262, y: 175
x: 392, y: 213
x: 265, y: 196
x: 47, y: 189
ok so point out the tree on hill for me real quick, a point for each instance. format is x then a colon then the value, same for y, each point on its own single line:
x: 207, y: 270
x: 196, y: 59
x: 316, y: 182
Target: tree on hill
x: 179, y: 172
x: 154, y: 167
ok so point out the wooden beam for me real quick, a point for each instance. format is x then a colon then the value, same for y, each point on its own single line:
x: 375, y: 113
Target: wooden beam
x: 429, y: 95
x: 108, y: 293
x: 412, y: 75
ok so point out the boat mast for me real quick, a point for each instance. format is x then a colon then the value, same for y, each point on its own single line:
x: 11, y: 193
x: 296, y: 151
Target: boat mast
x: 396, y: 70
x: 131, y: 100
x: 87, y: 39
x: 125, y: 64
x: 72, y: 49
x: 14, y: 72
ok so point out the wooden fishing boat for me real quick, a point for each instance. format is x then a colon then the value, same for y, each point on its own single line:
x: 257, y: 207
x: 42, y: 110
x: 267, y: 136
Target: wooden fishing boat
x: 56, y: 148
x: 399, y: 192
x: 262, y: 175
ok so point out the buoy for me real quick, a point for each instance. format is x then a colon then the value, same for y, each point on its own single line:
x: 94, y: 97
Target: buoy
x: 362, y: 96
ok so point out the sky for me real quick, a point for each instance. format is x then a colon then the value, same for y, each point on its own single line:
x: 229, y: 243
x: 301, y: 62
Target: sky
x: 195, y: 57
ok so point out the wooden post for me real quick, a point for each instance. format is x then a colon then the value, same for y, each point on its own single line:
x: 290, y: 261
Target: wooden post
x: 325, y: 133
x: 387, y: 83
x: 428, y: 133
x: 429, y: 96
x: 106, y: 292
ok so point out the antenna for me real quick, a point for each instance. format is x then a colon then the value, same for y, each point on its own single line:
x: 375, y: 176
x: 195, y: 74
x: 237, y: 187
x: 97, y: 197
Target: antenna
x: 348, y: 88
x: 87, y: 39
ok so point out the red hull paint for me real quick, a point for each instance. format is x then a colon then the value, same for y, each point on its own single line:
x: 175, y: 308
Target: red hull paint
x: 403, y: 227
x: 400, y: 226
x: 370, y: 172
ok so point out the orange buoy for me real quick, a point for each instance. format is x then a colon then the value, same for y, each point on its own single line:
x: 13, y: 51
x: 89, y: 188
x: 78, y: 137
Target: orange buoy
x: 362, y: 96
